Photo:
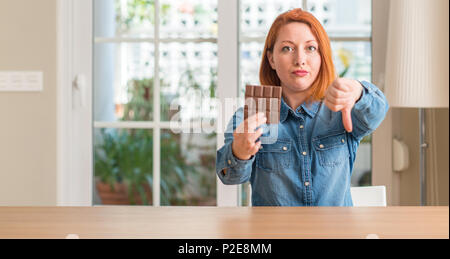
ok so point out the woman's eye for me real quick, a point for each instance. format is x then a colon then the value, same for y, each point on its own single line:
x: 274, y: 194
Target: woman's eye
x: 287, y: 48
x: 312, y: 48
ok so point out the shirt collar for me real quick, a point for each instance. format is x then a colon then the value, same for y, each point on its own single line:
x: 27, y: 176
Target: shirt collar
x: 310, y: 109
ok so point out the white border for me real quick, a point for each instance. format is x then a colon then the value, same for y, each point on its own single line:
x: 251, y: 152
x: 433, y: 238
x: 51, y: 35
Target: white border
x: 228, y: 79
x: 157, y: 117
x: 74, y: 124
x: 63, y: 95
x: 382, y: 173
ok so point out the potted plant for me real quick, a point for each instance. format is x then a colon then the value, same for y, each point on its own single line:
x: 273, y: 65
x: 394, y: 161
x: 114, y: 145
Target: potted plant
x: 123, y: 166
x: 123, y: 158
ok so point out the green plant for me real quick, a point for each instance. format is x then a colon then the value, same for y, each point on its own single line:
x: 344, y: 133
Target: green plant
x: 175, y: 170
x: 140, y: 106
x: 125, y: 156
x: 367, y: 139
x: 189, y: 81
x: 138, y: 12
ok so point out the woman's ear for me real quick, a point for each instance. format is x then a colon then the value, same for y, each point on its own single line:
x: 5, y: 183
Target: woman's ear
x: 270, y: 58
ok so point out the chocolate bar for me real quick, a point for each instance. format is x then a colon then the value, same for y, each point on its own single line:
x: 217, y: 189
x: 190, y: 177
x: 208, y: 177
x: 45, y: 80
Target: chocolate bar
x: 263, y: 98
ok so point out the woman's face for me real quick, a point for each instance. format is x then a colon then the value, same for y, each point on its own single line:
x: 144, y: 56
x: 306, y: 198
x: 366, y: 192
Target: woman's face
x: 295, y: 57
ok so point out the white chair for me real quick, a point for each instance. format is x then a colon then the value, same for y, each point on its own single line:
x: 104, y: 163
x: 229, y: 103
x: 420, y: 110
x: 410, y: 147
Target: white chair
x: 249, y: 195
x: 371, y: 196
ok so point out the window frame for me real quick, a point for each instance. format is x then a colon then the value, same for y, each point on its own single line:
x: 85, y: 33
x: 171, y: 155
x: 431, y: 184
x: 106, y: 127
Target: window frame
x: 226, y: 195
x: 74, y: 122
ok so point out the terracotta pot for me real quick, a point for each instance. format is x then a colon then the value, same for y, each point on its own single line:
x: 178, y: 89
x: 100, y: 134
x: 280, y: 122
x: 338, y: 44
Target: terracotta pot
x: 119, y: 196
x: 208, y: 202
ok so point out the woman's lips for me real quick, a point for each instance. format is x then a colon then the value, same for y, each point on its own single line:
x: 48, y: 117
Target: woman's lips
x: 300, y: 73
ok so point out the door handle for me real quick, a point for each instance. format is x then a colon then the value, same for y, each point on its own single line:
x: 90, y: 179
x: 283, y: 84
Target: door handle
x: 79, y: 85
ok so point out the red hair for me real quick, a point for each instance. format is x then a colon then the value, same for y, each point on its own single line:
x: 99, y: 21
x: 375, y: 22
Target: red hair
x: 327, y: 73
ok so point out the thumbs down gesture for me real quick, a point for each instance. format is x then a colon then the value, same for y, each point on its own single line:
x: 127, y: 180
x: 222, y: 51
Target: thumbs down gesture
x: 342, y: 95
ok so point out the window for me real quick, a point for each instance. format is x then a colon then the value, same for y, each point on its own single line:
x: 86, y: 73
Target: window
x: 153, y: 57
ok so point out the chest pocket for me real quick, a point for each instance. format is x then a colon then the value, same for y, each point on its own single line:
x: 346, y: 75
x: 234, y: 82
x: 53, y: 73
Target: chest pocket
x: 331, y: 150
x: 275, y: 157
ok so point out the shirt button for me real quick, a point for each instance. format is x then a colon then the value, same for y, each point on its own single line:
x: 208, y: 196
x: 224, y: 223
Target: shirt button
x: 301, y: 126
x: 321, y: 146
x: 306, y: 183
x: 343, y: 141
x: 229, y: 162
x: 304, y: 153
x: 284, y: 148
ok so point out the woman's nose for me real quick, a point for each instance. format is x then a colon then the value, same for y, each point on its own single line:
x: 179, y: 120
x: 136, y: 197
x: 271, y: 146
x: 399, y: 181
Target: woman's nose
x: 299, y: 58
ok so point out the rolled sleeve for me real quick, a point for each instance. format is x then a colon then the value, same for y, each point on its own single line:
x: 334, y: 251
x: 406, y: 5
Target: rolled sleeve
x: 237, y: 171
x: 369, y: 111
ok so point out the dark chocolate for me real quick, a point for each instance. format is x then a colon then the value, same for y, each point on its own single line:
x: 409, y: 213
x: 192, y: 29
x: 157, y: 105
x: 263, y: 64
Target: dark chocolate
x: 263, y: 98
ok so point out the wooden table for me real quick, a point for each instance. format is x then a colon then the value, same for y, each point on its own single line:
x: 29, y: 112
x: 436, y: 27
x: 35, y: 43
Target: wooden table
x: 219, y: 222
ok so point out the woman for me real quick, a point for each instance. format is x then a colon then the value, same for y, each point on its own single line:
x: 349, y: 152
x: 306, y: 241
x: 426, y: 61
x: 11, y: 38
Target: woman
x: 322, y: 121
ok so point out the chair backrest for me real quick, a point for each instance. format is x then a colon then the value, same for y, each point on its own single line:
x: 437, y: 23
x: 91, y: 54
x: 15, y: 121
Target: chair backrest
x: 371, y: 196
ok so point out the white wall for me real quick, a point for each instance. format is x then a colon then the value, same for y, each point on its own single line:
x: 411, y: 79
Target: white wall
x: 28, y: 120
x: 403, y: 188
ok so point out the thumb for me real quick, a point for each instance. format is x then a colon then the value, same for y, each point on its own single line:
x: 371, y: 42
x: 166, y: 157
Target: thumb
x: 347, y: 119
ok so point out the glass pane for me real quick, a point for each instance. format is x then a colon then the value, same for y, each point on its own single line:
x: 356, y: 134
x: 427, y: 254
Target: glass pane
x: 344, y: 17
x: 362, y: 168
x: 188, y: 169
x: 353, y: 59
x: 124, y: 18
x: 188, y: 19
x: 258, y: 16
x: 123, y: 81
x: 189, y: 71
x: 123, y: 166
x: 251, y: 54
x: 245, y: 194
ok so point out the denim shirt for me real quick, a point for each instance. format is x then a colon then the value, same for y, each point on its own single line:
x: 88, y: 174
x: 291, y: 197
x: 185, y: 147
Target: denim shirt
x: 310, y: 161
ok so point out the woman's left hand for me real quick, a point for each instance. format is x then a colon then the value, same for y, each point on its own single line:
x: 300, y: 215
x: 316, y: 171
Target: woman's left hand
x: 342, y: 95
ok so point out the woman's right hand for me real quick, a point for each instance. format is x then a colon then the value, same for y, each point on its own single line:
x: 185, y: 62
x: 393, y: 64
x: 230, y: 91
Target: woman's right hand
x: 244, y: 137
